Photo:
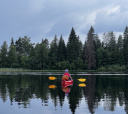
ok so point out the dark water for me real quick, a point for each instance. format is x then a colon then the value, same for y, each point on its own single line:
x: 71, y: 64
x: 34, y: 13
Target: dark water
x: 36, y: 94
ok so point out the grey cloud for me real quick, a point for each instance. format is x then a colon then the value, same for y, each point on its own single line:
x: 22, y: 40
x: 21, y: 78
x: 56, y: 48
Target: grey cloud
x: 45, y: 18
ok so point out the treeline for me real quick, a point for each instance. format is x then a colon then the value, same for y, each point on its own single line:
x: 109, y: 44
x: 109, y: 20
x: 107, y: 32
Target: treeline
x: 108, y: 54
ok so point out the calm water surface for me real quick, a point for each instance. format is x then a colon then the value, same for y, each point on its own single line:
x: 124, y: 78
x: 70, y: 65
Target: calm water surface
x: 34, y: 93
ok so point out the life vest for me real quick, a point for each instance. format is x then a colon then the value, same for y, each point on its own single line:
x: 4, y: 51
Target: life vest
x: 65, y: 77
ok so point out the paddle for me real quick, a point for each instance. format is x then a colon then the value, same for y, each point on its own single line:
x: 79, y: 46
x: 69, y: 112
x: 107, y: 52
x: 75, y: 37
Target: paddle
x: 52, y: 78
x: 82, y: 80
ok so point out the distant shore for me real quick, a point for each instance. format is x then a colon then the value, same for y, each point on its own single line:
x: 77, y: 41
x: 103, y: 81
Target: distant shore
x: 52, y: 70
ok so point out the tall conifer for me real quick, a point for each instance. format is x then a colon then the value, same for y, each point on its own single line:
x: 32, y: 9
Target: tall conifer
x: 126, y: 45
x: 73, y: 46
x: 90, y: 53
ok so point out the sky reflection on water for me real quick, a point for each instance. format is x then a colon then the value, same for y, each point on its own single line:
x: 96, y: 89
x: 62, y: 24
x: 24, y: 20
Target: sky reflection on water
x: 30, y: 94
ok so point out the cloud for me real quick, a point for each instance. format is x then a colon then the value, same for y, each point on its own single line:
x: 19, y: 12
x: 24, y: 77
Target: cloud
x: 46, y: 18
x: 110, y: 18
x: 35, y: 6
x: 114, y: 11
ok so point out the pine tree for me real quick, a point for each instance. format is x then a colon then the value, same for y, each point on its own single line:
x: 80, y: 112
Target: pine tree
x: 27, y: 46
x: 90, y: 53
x: 112, y: 42
x: 97, y: 45
x: 12, y: 41
x: 120, y: 42
x: 53, y: 53
x: 12, y: 57
x: 3, y: 54
x: 19, y: 46
x: 41, y: 56
x: 74, y: 47
x: 126, y: 45
x: 120, y: 51
x: 112, y: 48
x: 97, y: 42
x: 61, y: 50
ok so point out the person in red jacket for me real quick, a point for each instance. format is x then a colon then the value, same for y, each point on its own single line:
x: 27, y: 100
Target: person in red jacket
x: 67, y: 74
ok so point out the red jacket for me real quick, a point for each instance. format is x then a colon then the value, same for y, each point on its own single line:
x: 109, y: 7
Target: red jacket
x: 67, y: 74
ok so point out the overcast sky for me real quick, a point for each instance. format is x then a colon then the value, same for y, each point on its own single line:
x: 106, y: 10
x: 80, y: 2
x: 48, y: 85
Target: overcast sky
x: 39, y: 19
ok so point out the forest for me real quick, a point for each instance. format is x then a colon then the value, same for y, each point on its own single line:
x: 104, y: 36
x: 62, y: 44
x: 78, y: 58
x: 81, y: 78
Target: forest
x: 108, y: 54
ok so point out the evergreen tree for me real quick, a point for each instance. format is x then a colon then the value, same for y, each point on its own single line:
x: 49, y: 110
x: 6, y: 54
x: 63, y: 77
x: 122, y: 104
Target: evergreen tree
x: 61, y: 50
x: 120, y: 42
x: 120, y: 51
x: 97, y: 45
x: 126, y: 45
x: 112, y: 47
x: 46, y: 42
x: 97, y: 42
x: 27, y: 46
x: 12, y: 41
x: 53, y: 53
x: 12, y: 57
x: 100, y: 52
x: 74, y: 47
x: 19, y: 46
x: 112, y: 41
x: 3, y: 54
x: 41, y: 56
x: 19, y: 51
x: 89, y: 50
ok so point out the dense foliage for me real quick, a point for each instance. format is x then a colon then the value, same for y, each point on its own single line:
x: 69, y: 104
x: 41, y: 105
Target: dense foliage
x: 108, y: 54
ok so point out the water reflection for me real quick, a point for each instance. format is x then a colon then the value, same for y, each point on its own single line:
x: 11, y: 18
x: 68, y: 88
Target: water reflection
x: 96, y: 92
x: 52, y: 86
x: 66, y: 89
x: 82, y: 85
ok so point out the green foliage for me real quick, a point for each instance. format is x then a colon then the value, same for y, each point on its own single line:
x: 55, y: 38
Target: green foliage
x: 74, y: 47
x: 40, y: 56
x: 62, y: 65
x: 108, y: 55
x: 125, y: 46
x: 53, y: 53
x: 90, y: 51
x: 100, y: 56
x: 78, y: 63
x: 61, y: 50
x: 114, y: 68
x: 24, y: 62
x: 3, y: 54
x: 12, y: 57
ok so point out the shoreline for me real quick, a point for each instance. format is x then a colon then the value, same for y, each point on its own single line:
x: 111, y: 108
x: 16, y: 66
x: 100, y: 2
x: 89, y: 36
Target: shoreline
x: 54, y: 70
x: 10, y: 71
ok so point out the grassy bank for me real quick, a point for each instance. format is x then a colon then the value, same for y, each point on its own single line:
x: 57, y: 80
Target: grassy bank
x: 13, y: 70
x: 47, y: 70
x: 26, y: 70
x: 111, y: 68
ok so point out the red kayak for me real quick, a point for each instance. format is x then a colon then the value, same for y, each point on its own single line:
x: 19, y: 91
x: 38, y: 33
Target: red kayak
x: 67, y: 83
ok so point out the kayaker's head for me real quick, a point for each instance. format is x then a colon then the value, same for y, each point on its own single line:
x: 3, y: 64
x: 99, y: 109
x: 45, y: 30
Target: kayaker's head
x: 66, y: 70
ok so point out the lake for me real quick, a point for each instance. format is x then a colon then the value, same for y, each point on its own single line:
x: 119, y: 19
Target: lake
x: 34, y: 93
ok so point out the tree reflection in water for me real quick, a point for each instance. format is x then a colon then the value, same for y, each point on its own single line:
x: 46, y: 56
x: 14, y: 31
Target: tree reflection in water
x: 108, y: 90
x: 90, y: 92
